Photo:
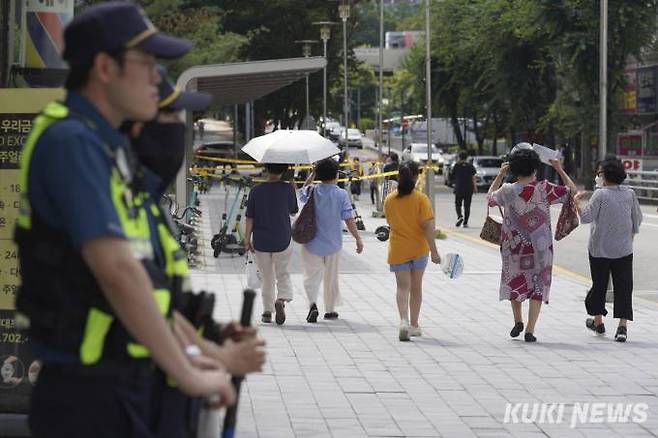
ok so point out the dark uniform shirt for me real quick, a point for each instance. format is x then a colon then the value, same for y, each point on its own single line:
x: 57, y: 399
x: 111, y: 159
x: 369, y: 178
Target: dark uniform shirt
x: 69, y: 183
x: 69, y: 175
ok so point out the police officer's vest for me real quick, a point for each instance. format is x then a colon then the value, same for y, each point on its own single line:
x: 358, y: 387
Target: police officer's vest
x: 66, y: 307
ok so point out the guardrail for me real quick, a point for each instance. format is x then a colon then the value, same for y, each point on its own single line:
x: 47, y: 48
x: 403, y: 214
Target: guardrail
x: 644, y: 183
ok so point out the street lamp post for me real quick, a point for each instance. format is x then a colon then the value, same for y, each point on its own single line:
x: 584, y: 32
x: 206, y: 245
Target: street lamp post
x: 380, y: 95
x: 306, y: 51
x: 603, y: 82
x: 325, y: 34
x: 344, y: 13
x: 429, y: 171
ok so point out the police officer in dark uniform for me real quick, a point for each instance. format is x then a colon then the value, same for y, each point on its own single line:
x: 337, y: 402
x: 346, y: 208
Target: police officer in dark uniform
x: 159, y: 147
x: 96, y: 300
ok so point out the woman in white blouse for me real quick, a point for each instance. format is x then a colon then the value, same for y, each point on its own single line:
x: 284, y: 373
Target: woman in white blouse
x: 615, y: 217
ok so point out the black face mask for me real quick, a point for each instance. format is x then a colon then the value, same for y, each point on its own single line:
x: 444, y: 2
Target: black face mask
x: 161, y: 148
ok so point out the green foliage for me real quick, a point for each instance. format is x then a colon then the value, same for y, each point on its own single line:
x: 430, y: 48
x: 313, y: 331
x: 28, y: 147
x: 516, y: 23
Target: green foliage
x: 440, y: 234
x: 202, y: 27
x: 397, y: 17
x: 367, y: 123
x: 527, y: 68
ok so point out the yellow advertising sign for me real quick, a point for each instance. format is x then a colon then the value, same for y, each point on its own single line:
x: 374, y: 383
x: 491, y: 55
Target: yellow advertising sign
x: 18, y: 107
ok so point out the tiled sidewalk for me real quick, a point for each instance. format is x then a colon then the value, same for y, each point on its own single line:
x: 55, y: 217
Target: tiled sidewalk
x: 353, y: 378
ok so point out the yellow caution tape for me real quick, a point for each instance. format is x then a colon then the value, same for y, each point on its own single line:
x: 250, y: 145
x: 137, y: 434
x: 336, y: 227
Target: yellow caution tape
x: 359, y: 178
x: 256, y: 163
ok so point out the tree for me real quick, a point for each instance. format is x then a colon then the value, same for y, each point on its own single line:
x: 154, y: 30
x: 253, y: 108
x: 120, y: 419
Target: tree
x: 272, y: 27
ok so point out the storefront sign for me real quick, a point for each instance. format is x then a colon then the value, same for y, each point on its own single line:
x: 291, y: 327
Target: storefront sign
x: 18, y: 370
x: 633, y: 164
x: 646, y: 90
x: 629, y: 144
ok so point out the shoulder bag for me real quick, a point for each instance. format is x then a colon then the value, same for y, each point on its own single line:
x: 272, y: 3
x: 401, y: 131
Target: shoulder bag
x: 304, y: 228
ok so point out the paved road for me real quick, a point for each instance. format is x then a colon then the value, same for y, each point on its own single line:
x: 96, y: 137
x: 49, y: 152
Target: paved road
x: 353, y: 378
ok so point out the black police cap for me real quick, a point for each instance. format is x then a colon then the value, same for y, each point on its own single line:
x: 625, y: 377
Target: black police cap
x: 172, y: 97
x: 113, y: 27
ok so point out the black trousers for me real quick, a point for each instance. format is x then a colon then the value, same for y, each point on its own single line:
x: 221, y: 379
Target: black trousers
x: 463, y: 198
x: 67, y: 403
x: 137, y: 404
x: 622, y: 282
x: 373, y: 189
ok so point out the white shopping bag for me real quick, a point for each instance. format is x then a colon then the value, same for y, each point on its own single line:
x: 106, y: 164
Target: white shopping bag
x: 254, y: 278
x: 452, y: 265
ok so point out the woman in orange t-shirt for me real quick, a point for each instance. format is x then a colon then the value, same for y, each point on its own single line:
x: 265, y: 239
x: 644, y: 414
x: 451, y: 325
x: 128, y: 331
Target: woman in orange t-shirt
x: 411, y: 219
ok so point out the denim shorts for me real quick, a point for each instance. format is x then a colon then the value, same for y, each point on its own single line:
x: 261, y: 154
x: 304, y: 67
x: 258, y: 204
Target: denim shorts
x: 417, y: 263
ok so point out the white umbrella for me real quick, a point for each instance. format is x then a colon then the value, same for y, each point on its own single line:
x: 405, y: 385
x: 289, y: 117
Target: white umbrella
x: 293, y: 147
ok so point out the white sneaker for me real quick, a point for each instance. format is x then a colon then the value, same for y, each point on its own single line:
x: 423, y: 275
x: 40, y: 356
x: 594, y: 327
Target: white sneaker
x: 404, y: 332
x: 415, y: 331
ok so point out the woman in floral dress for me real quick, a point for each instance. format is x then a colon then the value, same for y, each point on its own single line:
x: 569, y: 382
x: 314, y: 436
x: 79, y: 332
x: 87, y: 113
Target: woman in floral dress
x: 526, y: 239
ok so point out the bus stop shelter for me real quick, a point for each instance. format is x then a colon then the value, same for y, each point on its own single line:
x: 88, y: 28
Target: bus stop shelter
x: 238, y: 83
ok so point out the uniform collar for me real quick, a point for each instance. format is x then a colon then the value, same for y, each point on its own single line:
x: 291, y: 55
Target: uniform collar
x: 79, y: 104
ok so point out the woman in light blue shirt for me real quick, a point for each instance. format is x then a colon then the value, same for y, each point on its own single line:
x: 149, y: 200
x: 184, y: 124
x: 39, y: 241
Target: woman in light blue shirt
x: 320, y: 255
x: 615, y: 217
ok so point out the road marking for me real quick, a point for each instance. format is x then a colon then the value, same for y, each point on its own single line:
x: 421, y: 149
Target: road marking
x: 558, y: 269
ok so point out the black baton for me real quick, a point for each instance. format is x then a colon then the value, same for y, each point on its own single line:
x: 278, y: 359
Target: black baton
x: 230, y: 420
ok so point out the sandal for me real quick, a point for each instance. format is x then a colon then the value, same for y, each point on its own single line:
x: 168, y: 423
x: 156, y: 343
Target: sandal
x: 598, y: 329
x: 516, y: 331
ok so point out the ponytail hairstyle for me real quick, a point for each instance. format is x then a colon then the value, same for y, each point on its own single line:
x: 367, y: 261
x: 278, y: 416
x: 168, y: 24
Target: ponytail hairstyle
x: 408, y: 173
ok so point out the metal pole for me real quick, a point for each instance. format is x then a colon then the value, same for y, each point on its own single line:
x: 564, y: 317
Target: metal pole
x: 380, y: 120
x: 247, y: 122
x: 252, y: 119
x: 603, y: 82
x: 307, y: 110
x: 347, y: 122
x: 358, y: 108
x: 324, y: 92
x: 380, y: 115
x: 235, y: 130
x: 429, y: 172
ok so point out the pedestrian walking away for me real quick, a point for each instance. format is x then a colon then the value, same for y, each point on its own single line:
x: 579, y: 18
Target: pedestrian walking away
x: 615, y: 217
x: 98, y: 304
x: 465, y: 186
x: 321, y: 255
x: 269, y: 207
x: 357, y: 172
x: 526, y: 239
x: 411, y: 220
x: 372, y: 182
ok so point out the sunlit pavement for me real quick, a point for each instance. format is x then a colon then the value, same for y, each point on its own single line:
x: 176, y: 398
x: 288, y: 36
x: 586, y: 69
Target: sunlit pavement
x: 464, y: 377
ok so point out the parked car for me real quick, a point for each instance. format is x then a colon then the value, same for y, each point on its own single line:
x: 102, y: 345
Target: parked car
x: 448, y: 175
x: 486, y: 168
x: 330, y: 126
x: 354, y: 138
x: 334, y: 132
x: 418, y: 152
